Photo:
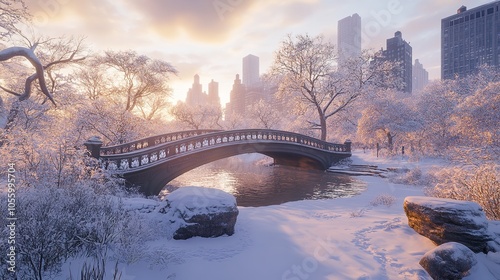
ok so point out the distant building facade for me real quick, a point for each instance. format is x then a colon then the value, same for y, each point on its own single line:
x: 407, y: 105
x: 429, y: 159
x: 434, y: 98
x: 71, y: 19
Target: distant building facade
x: 197, y: 97
x: 469, y: 39
x: 349, y: 37
x: 400, y: 51
x: 420, y: 76
x: 213, y: 93
x: 237, y: 101
x: 250, y: 72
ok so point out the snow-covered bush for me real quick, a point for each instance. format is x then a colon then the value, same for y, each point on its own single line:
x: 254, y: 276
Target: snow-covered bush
x: 480, y: 184
x: 59, y: 223
x: 383, y: 199
x: 358, y: 213
x: 414, y: 176
x: 97, y: 271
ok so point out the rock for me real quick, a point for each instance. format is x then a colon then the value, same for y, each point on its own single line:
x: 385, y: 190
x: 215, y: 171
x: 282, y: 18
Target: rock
x: 447, y: 220
x: 494, y: 245
x: 449, y: 261
x: 204, y: 212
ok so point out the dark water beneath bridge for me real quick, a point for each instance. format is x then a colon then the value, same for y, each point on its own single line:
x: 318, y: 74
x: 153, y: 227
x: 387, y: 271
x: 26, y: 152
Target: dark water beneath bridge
x: 254, y: 183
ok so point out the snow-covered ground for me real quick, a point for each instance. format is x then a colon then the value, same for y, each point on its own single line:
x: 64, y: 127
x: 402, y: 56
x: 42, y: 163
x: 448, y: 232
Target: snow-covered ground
x: 345, y: 238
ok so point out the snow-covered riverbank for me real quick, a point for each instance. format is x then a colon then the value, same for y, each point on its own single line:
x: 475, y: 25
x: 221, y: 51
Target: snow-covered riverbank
x: 362, y: 237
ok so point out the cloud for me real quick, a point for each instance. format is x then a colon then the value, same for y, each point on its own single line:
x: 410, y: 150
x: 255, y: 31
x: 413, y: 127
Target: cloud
x: 203, y: 20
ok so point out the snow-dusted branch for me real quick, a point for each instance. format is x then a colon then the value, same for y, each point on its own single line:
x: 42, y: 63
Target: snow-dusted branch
x: 29, y: 54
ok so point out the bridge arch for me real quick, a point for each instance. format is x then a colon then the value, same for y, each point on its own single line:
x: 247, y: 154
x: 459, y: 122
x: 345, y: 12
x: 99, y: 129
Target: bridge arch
x: 153, y: 166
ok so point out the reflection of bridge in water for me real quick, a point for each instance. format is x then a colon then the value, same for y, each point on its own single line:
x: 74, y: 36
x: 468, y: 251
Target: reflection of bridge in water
x: 153, y: 162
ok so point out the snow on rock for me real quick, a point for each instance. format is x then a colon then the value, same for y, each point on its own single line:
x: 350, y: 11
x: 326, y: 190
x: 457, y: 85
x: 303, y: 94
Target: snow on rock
x: 494, y: 245
x: 140, y: 205
x: 204, y: 212
x: 447, y: 220
x: 449, y: 261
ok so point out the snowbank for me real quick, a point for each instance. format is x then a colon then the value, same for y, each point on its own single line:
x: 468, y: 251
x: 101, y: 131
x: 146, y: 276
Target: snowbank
x: 344, y: 238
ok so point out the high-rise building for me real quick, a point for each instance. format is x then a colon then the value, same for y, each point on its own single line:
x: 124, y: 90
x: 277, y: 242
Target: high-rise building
x: 213, y: 93
x: 469, y: 39
x: 399, y: 51
x: 251, y: 71
x: 195, y: 95
x: 237, y: 102
x: 420, y: 76
x: 349, y: 37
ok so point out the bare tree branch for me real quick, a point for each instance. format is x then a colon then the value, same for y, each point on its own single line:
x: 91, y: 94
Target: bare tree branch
x: 11, y: 52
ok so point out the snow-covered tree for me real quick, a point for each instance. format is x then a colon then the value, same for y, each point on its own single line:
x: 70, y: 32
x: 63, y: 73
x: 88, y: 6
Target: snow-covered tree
x: 309, y: 75
x: 263, y: 114
x: 142, y: 83
x: 436, y: 106
x: 197, y: 117
x: 110, y: 122
x: 387, y: 117
x: 12, y: 12
x: 477, y: 121
x: 48, y: 56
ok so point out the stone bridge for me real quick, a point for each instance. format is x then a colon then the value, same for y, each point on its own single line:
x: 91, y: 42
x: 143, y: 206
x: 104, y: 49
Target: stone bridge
x: 153, y: 162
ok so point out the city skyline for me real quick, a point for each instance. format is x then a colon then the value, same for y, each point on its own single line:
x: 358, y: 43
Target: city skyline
x: 210, y: 38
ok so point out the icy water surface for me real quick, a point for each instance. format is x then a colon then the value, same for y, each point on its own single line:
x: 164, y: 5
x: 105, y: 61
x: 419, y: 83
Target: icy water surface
x: 257, y: 184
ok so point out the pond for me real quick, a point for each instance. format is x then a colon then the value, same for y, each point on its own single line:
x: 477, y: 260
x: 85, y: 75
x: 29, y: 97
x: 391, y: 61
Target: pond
x: 255, y: 182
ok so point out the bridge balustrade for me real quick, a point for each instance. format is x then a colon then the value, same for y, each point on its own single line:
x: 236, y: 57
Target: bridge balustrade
x: 150, y: 150
x: 152, y: 141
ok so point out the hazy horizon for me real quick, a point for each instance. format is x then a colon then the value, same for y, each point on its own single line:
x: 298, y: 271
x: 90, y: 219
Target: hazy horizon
x: 210, y: 38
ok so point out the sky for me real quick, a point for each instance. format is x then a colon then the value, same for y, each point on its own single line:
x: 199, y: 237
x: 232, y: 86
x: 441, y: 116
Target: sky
x: 210, y: 37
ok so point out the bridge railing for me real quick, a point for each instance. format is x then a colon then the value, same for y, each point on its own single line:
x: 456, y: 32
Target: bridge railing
x: 148, y: 156
x: 152, y: 141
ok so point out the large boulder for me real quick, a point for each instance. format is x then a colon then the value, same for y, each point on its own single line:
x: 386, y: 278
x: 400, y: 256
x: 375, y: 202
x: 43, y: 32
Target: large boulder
x: 204, y: 212
x: 447, y: 220
x: 449, y: 261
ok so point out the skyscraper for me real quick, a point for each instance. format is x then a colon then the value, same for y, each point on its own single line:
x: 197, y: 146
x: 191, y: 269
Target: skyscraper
x: 195, y: 95
x: 213, y: 93
x: 251, y: 71
x: 420, y: 76
x: 469, y: 39
x: 349, y: 37
x: 398, y: 50
x: 237, y: 97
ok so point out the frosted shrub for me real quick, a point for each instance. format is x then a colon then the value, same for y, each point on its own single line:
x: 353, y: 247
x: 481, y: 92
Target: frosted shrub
x: 130, y: 246
x: 414, y: 176
x: 480, y: 184
x: 357, y: 214
x: 97, y: 271
x: 59, y: 223
x: 383, y: 199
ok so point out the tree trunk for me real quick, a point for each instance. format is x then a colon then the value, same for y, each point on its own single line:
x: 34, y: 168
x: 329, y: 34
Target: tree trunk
x: 11, y: 118
x: 322, y: 122
x: 390, y: 141
x: 323, y: 128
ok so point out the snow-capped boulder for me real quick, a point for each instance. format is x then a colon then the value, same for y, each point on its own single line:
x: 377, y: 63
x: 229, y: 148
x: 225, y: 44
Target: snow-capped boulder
x: 204, y: 212
x: 447, y: 220
x: 449, y: 261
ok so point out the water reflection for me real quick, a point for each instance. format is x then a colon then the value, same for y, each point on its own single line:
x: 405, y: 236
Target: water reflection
x: 257, y: 184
